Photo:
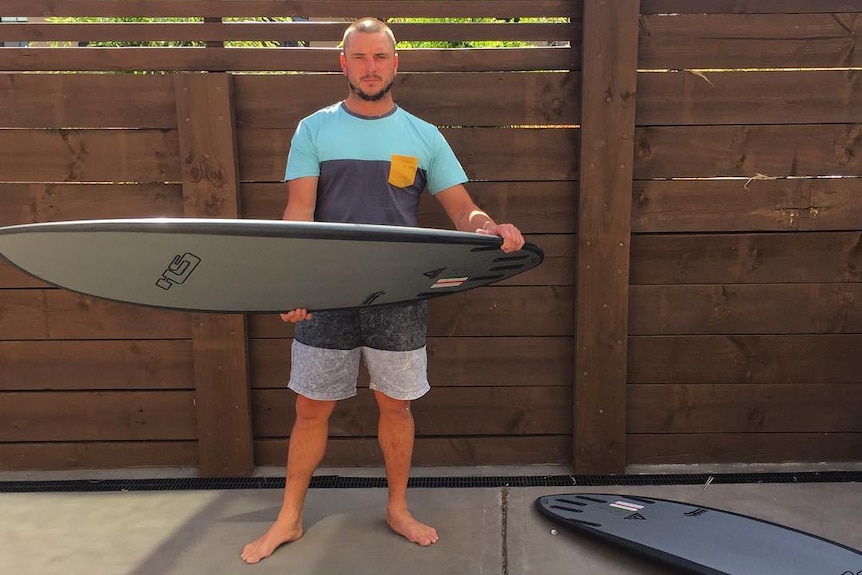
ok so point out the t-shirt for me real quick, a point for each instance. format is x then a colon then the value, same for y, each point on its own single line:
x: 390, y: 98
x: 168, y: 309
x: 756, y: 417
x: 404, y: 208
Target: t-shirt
x: 372, y: 170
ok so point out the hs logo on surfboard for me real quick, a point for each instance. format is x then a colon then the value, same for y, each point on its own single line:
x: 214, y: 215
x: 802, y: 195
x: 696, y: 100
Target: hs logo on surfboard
x: 179, y: 270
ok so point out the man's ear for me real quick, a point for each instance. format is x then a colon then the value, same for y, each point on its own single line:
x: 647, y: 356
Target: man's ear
x: 343, y: 59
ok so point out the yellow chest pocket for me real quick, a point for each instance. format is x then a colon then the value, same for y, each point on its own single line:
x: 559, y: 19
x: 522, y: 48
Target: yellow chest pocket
x: 402, y: 170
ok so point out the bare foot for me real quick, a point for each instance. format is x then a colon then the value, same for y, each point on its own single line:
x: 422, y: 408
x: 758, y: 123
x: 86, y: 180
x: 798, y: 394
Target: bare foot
x: 402, y: 522
x: 280, y: 533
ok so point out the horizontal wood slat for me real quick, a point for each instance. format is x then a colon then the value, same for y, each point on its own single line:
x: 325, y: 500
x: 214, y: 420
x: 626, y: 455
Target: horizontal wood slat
x: 60, y: 314
x: 432, y: 451
x: 747, y: 6
x: 97, y: 416
x: 750, y: 408
x: 41, y: 202
x: 545, y: 98
x: 452, y: 362
x: 667, y: 448
x: 90, y: 365
x: 738, y: 41
x: 87, y: 101
x: 747, y: 258
x: 282, y: 32
x: 152, y: 155
x: 740, y: 205
x: 147, y: 101
x: 278, y: 59
x: 745, y: 359
x: 305, y: 8
x: 745, y: 151
x: 537, y: 410
x: 767, y: 97
x: 90, y: 155
x: 536, y: 207
x: 501, y: 311
x: 37, y: 456
x: 486, y: 154
x: 746, y: 309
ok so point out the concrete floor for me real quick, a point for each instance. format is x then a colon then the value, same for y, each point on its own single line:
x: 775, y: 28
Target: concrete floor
x: 482, y: 530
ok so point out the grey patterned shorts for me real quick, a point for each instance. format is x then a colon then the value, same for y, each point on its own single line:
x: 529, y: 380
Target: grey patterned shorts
x: 328, y: 347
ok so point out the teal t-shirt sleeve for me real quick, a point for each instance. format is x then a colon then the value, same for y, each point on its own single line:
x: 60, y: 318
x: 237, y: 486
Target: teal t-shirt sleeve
x: 302, y: 159
x: 445, y: 170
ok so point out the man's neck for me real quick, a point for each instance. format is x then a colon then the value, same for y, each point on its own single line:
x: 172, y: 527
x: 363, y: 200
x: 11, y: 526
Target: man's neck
x: 360, y: 107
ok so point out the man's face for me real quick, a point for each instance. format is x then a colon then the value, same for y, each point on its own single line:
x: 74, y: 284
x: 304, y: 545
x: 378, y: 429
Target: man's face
x: 370, y: 63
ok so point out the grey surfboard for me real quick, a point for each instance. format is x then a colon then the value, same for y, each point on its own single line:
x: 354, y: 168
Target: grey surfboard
x: 252, y: 266
x: 699, y: 539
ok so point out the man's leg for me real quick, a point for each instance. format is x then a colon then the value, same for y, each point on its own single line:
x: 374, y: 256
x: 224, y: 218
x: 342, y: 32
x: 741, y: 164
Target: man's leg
x: 306, y: 449
x: 396, y: 433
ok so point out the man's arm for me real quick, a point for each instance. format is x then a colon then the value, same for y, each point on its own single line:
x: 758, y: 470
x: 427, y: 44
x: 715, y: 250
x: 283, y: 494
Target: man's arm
x: 301, y: 200
x: 466, y: 216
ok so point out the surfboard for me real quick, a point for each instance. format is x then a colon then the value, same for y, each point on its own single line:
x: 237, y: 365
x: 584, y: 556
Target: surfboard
x: 699, y: 539
x: 222, y: 265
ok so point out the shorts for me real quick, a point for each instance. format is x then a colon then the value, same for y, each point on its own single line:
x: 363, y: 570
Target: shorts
x: 328, y: 347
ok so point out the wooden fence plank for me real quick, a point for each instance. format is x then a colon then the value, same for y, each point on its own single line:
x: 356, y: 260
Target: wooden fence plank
x: 747, y: 258
x: 667, y: 448
x: 433, y: 451
x: 540, y: 311
x: 46, y: 202
x: 60, y: 314
x: 87, y: 101
x: 12, y: 277
x: 609, y: 84
x: 282, y: 32
x: 485, y: 153
x: 748, y: 408
x: 716, y: 359
x: 307, y: 8
x: 90, y: 365
x: 90, y: 155
x: 278, y: 59
x: 546, y: 98
x: 545, y: 207
x: 452, y: 362
x: 739, y: 41
x: 205, y: 115
x: 510, y: 411
x: 747, y: 6
x: 746, y: 309
x: 745, y: 151
x: 767, y: 97
x: 97, y: 416
x: 37, y: 456
x: 739, y: 205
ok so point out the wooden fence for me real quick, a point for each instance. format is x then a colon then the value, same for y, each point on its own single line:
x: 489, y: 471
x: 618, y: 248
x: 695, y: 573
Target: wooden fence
x: 691, y: 168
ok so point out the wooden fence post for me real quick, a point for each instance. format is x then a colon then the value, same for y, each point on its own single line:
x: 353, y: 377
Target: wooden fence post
x: 205, y: 119
x: 610, y: 53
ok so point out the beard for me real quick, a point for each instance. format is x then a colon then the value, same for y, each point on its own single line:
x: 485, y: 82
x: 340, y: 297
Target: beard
x: 363, y: 95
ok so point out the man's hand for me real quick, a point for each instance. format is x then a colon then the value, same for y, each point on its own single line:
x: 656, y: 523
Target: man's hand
x: 293, y: 316
x: 512, y: 238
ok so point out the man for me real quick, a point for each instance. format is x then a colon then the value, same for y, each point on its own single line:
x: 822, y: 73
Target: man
x: 365, y: 160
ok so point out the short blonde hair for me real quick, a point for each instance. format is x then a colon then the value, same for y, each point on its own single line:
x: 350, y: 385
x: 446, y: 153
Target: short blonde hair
x: 368, y: 26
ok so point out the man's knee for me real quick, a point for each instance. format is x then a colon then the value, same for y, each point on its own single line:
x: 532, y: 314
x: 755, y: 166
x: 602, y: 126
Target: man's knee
x: 390, y: 407
x: 312, y: 409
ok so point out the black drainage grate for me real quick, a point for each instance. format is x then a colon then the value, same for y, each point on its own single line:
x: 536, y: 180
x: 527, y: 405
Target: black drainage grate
x: 342, y: 482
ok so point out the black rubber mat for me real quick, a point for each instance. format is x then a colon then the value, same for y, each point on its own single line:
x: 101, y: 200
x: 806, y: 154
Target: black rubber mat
x: 346, y: 482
